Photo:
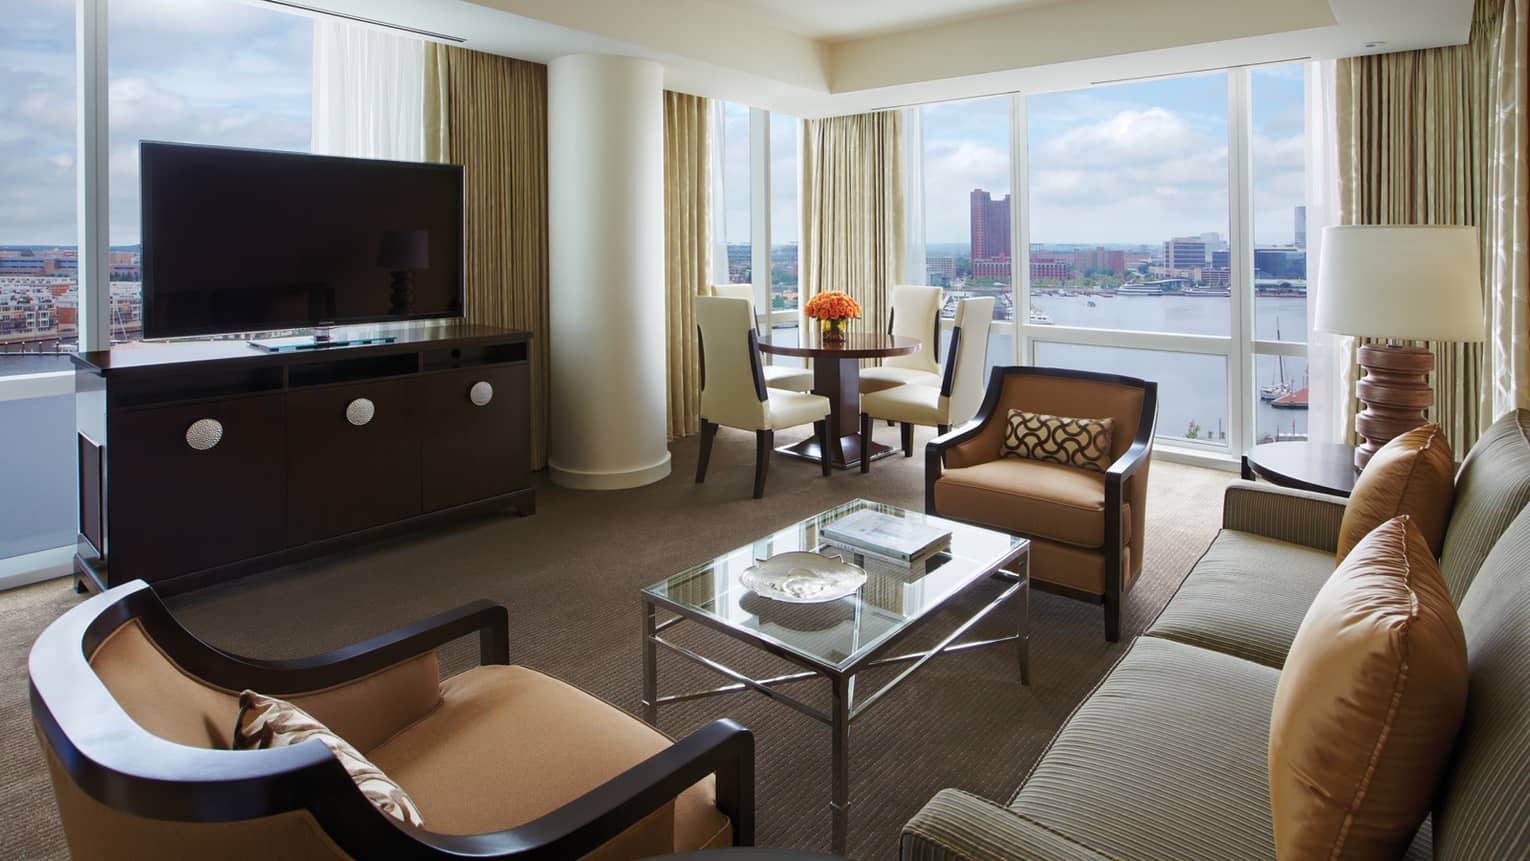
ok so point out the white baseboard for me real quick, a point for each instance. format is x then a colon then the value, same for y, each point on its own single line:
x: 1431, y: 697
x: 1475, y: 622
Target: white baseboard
x: 30, y: 568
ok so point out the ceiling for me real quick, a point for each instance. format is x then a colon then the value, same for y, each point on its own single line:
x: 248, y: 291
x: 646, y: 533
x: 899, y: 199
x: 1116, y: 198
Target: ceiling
x: 839, y: 20
x: 825, y: 57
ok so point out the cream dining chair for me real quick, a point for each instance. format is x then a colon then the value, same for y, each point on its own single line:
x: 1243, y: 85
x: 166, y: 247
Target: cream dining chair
x: 960, y: 392
x: 733, y: 390
x: 776, y: 376
x: 915, y: 314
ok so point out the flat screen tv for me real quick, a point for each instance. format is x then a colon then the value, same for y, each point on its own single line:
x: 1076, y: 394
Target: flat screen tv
x: 239, y: 240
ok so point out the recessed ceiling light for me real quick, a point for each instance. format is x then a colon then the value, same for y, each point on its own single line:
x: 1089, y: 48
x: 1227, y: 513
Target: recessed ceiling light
x: 1374, y: 45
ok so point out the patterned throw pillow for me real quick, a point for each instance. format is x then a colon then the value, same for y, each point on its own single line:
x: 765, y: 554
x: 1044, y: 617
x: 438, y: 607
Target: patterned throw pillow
x: 266, y: 722
x: 1084, y: 443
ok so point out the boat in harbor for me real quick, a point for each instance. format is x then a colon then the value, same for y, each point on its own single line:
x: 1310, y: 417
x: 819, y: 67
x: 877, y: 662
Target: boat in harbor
x: 1296, y: 400
x: 1139, y: 290
x: 1039, y: 317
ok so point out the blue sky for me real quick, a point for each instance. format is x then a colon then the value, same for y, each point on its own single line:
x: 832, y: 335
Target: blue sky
x: 1132, y: 163
x: 184, y: 70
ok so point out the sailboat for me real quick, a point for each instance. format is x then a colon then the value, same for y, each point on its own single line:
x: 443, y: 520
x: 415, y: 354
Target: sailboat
x: 1280, y: 389
x: 1296, y: 400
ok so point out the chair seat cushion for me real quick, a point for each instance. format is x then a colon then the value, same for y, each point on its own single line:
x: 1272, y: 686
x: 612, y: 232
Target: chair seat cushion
x: 889, y: 376
x: 788, y: 379
x: 1246, y: 596
x: 508, y: 744
x: 920, y: 405
x: 789, y: 409
x: 1166, y: 759
x: 1029, y: 497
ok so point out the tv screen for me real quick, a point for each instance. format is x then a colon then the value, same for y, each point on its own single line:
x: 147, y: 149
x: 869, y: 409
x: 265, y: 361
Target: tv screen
x: 238, y: 240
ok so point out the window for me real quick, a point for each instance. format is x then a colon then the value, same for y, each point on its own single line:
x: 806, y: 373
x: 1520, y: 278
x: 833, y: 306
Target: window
x: 1192, y: 388
x: 784, y: 212
x: 969, y: 211
x: 736, y: 210
x: 194, y: 71
x: 39, y: 297
x: 1130, y: 233
x: 968, y: 204
x: 1128, y: 207
x: 1277, y: 110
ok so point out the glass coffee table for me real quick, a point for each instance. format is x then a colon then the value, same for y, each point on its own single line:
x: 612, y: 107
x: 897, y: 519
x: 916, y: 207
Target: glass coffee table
x: 838, y: 639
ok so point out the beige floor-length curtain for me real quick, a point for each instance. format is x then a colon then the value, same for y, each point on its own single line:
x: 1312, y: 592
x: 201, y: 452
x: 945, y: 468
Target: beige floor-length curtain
x: 852, y: 211
x: 489, y: 114
x: 687, y: 249
x: 1418, y: 143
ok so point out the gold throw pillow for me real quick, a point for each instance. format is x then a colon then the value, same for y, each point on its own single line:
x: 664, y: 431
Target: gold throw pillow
x: 267, y: 722
x: 1368, y: 704
x: 1414, y: 474
x: 1084, y: 443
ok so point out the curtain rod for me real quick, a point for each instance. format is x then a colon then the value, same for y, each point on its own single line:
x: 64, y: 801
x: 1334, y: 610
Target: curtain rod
x: 1200, y: 71
x: 360, y: 20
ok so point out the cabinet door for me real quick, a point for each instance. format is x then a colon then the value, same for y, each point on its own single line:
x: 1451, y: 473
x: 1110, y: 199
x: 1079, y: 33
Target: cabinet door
x: 473, y: 449
x: 179, y: 502
x: 353, y: 457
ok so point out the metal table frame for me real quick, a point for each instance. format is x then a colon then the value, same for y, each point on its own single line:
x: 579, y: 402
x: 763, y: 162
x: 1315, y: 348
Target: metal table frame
x: 844, y: 708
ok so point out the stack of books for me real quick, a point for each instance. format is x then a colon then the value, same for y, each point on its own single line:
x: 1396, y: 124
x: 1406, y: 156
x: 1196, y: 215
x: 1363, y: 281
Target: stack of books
x: 884, y: 536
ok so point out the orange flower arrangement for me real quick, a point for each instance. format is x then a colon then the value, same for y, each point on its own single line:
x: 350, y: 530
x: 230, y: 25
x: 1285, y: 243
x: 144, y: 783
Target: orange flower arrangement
x: 833, y: 305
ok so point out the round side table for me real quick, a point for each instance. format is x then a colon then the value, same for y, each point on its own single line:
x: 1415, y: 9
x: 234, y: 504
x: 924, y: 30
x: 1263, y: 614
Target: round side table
x: 1318, y: 467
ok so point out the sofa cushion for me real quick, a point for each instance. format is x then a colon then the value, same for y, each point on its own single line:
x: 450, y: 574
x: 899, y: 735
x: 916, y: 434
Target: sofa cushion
x: 1413, y: 475
x: 1246, y: 597
x: 1369, y: 703
x: 1491, y: 490
x: 1485, y: 803
x: 1166, y: 759
x: 539, y: 743
x: 1028, y: 497
x: 1083, y: 443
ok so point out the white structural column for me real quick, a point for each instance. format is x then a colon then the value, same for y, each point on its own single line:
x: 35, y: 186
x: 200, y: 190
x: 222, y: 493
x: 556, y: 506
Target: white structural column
x: 605, y: 185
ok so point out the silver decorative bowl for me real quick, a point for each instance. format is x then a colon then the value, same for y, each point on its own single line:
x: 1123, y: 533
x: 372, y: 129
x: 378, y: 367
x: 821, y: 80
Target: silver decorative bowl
x: 800, y: 577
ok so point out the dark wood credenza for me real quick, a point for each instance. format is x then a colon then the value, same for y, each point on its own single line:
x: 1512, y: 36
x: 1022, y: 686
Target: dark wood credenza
x: 314, y: 450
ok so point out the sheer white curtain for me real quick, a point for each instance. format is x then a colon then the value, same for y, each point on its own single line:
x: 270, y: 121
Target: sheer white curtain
x: 718, y: 148
x: 1327, y: 370
x: 368, y: 92
x: 913, y: 197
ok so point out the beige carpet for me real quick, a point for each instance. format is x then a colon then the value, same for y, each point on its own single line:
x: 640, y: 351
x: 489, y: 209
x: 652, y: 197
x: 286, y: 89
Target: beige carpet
x: 570, y: 576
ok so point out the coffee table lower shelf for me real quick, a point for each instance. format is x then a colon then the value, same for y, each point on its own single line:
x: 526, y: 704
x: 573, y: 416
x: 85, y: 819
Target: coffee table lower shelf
x: 844, y: 708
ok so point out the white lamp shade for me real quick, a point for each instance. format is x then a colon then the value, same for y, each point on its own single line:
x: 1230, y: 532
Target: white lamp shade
x: 1414, y: 282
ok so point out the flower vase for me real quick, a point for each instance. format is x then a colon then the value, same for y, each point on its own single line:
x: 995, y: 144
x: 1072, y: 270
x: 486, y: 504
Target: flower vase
x: 833, y: 330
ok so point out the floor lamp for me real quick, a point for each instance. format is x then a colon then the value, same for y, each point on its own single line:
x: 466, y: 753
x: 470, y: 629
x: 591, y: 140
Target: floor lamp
x: 1398, y: 283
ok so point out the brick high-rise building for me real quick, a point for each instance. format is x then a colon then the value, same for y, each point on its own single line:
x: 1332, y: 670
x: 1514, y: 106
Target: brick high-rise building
x: 990, y: 226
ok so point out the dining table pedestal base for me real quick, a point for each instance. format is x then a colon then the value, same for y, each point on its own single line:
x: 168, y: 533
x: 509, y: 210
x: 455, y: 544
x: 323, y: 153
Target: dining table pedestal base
x: 848, y: 456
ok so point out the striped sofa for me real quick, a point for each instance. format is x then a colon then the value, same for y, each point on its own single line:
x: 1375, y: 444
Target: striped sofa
x: 1167, y: 757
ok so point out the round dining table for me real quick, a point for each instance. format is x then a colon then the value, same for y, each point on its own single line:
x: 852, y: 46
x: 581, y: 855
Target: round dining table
x: 837, y: 376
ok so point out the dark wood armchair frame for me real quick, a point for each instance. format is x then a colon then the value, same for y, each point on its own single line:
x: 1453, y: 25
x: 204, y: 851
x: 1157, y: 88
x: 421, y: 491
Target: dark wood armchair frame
x: 125, y: 767
x: 1124, y: 467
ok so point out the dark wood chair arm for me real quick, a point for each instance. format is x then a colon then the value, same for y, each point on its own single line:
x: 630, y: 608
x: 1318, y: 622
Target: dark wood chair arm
x: 288, y: 677
x: 935, y: 450
x: 722, y: 748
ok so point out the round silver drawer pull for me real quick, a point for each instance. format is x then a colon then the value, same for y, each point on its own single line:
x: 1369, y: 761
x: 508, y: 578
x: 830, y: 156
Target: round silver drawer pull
x: 481, y: 393
x: 360, y: 411
x: 203, y: 434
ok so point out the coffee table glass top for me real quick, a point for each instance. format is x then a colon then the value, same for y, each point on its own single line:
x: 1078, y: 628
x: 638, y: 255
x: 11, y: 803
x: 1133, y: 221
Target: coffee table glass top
x: 837, y: 634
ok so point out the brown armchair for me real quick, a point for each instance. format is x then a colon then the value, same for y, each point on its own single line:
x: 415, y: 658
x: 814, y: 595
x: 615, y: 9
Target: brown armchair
x: 1085, y: 527
x: 134, y: 713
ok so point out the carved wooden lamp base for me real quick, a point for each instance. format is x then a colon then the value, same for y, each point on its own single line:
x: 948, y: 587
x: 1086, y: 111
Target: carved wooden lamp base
x: 1395, y: 393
